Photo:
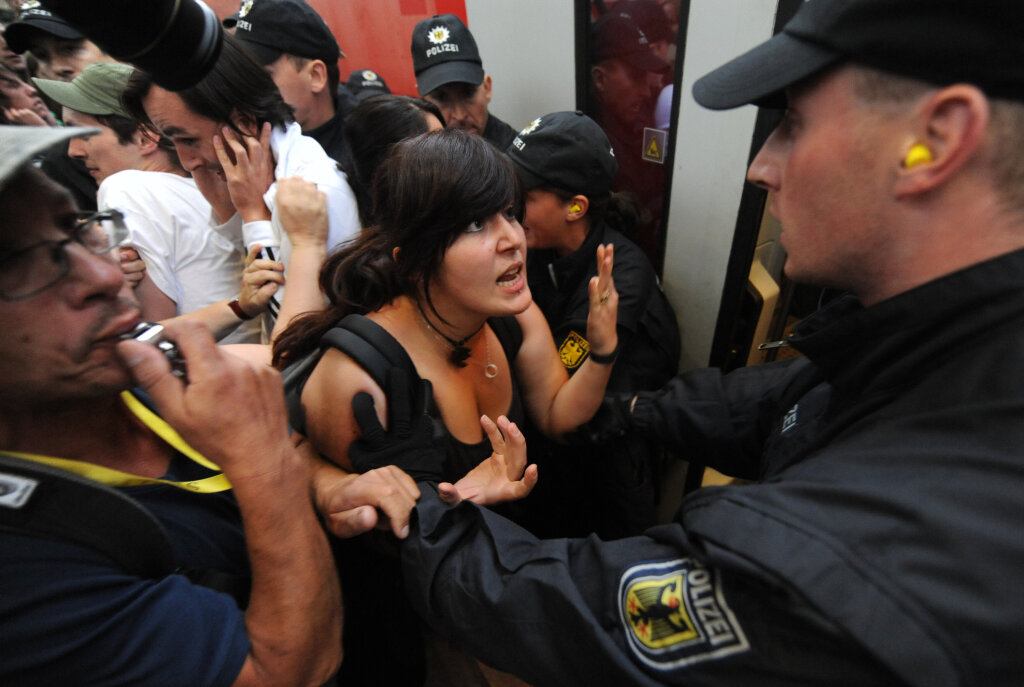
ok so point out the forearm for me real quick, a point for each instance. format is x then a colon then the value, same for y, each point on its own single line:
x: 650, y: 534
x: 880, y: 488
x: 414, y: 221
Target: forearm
x: 294, y: 614
x: 218, y: 317
x: 723, y: 419
x: 155, y: 304
x: 578, y: 399
x: 302, y: 293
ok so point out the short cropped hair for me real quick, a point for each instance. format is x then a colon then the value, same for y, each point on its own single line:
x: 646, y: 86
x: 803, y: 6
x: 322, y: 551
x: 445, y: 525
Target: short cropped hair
x: 1005, y: 139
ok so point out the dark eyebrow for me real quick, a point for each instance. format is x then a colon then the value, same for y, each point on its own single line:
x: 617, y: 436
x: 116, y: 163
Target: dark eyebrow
x: 173, y: 131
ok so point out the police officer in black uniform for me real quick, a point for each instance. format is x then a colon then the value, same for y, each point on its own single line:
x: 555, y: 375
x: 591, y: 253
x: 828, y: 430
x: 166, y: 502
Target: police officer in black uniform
x: 450, y: 74
x: 566, y: 166
x: 297, y: 47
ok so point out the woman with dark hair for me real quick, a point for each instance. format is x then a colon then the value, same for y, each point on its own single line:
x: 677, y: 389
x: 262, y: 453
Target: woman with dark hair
x: 443, y: 273
x: 372, y: 128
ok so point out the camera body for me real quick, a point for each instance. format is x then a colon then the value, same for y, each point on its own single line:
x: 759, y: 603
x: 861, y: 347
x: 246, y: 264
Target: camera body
x: 153, y: 333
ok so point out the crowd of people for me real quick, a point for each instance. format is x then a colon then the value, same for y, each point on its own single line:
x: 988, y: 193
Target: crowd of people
x: 417, y: 374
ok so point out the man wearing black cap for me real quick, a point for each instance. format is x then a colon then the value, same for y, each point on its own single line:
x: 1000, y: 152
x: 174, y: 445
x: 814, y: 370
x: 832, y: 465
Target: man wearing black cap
x: 61, y: 49
x: 366, y: 83
x: 63, y: 52
x: 566, y: 166
x: 450, y: 74
x: 296, y: 46
x: 880, y: 541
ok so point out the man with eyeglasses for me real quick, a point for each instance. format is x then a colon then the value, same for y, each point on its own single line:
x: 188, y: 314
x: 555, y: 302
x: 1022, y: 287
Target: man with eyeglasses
x: 224, y: 487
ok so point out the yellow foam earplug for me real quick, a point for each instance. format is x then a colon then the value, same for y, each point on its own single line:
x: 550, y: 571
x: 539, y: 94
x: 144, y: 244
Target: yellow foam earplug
x: 917, y: 155
x: 575, y: 208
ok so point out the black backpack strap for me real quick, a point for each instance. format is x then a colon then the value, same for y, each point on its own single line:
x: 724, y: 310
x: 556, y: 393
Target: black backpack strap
x: 360, y: 338
x: 45, y: 501
x: 371, y: 346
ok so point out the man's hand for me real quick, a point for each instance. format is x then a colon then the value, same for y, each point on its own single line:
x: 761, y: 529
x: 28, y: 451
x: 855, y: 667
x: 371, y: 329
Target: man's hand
x: 248, y: 165
x: 260, y: 281
x: 133, y: 266
x: 354, y: 503
x: 231, y: 411
x: 302, y: 209
x: 502, y: 477
x: 410, y: 439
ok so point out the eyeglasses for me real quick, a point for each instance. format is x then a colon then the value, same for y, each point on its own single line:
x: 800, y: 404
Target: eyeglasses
x: 32, y: 270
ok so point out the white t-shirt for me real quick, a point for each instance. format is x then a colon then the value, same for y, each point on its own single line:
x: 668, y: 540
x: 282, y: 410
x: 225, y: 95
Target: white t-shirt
x: 191, y: 261
x: 301, y: 156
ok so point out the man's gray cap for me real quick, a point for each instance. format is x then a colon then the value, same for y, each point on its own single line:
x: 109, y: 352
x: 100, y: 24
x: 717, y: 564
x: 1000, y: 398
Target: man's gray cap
x: 19, y: 144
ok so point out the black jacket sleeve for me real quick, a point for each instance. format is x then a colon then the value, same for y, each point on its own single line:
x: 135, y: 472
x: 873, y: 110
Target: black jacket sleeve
x: 636, y: 611
x: 721, y: 420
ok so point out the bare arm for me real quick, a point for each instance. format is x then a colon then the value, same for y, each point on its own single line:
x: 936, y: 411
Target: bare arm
x: 302, y: 210
x: 155, y: 304
x: 556, y: 402
x: 259, y: 282
x: 233, y: 413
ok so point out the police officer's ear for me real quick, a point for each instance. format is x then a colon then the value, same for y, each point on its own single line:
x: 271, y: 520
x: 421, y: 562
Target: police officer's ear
x: 486, y: 85
x: 578, y: 206
x: 317, y: 70
x: 951, y: 124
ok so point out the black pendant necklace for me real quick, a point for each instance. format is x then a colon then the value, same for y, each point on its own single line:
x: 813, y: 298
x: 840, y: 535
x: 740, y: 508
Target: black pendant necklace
x: 460, y: 352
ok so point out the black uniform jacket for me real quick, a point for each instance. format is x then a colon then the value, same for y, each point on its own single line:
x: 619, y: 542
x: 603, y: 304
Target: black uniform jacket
x: 881, y: 545
x: 647, y: 329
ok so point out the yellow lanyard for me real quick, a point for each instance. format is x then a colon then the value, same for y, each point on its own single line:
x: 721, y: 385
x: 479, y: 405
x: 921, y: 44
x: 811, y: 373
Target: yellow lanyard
x: 116, y: 478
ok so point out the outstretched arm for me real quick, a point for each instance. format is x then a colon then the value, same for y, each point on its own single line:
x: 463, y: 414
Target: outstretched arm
x: 558, y: 403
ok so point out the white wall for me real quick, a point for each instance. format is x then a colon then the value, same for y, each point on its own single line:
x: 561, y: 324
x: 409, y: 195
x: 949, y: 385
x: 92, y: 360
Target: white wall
x: 708, y: 175
x: 528, y: 48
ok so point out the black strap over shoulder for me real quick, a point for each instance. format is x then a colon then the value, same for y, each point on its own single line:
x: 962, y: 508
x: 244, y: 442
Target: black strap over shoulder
x: 44, y: 501
x: 360, y: 338
x: 371, y: 346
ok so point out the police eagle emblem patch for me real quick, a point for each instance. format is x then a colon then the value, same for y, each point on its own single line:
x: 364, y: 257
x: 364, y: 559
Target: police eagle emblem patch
x: 674, y: 614
x: 573, y: 350
x: 530, y: 128
x: 438, y: 35
x: 245, y: 8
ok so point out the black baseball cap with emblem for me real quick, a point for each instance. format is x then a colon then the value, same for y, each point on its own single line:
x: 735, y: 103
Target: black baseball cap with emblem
x: 271, y: 28
x: 937, y: 41
x: 618, y: 36
x: 566, y: 150
x: 443, y: 52
x: 364, y: 83
x: 34, y: 20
